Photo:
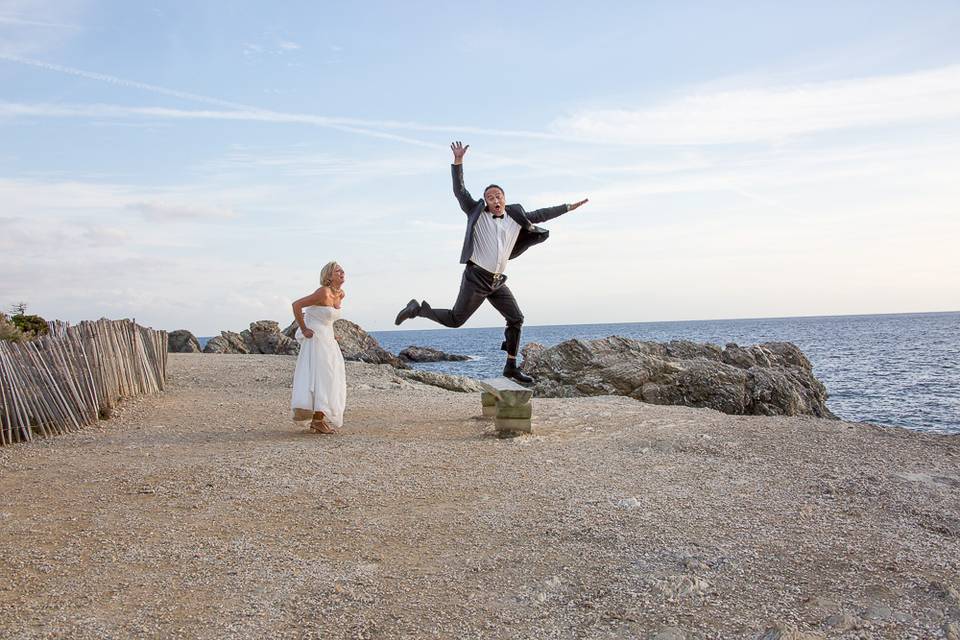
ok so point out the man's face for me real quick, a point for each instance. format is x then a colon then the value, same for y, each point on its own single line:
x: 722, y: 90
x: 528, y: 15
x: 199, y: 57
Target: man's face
x: 495, y: 200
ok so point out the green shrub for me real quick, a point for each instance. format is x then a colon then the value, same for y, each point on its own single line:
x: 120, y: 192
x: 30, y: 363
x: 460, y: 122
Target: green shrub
x: 8, y: 330
x: 30, y: 326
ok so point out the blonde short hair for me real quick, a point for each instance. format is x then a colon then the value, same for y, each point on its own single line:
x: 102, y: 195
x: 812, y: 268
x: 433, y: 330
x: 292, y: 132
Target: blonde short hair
x: 327, y: 272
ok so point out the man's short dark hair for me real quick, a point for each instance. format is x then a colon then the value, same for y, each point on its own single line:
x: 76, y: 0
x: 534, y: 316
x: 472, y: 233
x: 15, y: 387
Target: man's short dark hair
x: 494, y: 186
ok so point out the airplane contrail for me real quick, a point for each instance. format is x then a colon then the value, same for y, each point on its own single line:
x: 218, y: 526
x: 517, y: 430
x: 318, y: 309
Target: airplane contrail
x: 36, y: 23
x: 340, y: 124
x: 351, y: 125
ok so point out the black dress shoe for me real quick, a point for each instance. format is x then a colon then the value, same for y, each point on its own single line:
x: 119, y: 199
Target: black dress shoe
x: 513, y: 372
x: 409, y: 311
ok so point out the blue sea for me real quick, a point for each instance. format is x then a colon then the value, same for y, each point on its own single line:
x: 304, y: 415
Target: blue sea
x: 899, y: 370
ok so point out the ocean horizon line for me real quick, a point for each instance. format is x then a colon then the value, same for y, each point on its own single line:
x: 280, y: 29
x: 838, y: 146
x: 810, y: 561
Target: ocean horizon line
x: 623, y: 322
x: 601, y: 324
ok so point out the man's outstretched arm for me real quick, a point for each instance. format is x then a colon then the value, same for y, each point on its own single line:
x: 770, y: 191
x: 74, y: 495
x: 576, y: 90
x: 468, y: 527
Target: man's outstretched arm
x: 467, y: 203
x: 549, y: 213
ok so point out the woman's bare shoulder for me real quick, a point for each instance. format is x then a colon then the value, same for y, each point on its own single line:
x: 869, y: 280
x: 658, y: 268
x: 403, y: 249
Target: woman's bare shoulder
x: 312, y: 298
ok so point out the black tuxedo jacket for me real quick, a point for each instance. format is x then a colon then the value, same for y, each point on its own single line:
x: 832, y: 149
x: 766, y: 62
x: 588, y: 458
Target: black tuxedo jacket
x: 530, y: 234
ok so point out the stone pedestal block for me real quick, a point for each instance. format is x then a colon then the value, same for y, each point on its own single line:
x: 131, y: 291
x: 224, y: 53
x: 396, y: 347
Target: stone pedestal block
x: 509, y: 426
x: 488, y: 403
x: 524, y: 411
x: 509, y: 404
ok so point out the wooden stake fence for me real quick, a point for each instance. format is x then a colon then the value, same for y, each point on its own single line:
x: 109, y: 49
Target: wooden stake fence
x: 76, y: 375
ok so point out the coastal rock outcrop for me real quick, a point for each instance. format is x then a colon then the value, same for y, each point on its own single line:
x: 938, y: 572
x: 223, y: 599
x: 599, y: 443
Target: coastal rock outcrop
x: 264, y: 336
x: 357, y: 345
x: 226, y: 342
x: 427, y: 354
x: 773, y: 378
x: 182, y: 341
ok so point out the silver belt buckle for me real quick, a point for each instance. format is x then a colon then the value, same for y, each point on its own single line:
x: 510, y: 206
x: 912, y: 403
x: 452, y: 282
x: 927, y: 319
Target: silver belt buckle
x: 497, y: 277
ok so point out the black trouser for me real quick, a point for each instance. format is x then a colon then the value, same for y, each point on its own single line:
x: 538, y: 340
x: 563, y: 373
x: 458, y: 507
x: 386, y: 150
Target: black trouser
x: 476, y: 286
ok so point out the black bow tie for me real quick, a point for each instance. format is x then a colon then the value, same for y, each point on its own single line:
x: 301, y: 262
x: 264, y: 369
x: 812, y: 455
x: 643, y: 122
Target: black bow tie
x: 498, y: 216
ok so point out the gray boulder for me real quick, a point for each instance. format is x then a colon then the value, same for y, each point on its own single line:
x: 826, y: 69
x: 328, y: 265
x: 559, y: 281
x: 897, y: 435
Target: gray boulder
x: 426, y: 354
x: 356, y: 344
x: 226, y: 342
x: 773, y: 378
x: 264, y: 336
x: 182, y: 341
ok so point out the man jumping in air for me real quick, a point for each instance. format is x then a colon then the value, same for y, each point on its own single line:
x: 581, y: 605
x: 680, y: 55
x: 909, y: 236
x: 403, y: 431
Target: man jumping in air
x: 496, y: 232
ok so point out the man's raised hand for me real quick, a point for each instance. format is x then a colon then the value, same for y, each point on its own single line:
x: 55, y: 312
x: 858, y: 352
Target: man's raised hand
x: 578, y: 204
x: 459, y: 150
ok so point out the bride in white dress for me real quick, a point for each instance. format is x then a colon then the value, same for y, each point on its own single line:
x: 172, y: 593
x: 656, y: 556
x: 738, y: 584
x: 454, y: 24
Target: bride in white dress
x: 319, y: 381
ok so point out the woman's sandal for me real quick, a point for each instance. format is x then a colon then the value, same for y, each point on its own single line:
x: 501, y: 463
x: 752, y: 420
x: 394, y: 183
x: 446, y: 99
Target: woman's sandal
x: 321, y: 426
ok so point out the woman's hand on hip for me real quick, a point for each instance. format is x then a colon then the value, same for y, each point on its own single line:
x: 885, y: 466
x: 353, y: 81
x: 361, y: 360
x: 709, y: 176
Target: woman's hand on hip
x: 307, y: 333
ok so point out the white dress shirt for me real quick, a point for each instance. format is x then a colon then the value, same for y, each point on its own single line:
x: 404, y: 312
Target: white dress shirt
x: 493, y: 241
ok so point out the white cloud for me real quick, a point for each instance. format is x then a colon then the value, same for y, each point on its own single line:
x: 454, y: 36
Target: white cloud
x: 42, y: 196
x: 102, y: 236
x: 33, y: 195
x: 22, y: 236
x: 772, y: 114
x: 303, y: 163
x: 287, y: 45
x: 166, y: 211
x: 810, y: 183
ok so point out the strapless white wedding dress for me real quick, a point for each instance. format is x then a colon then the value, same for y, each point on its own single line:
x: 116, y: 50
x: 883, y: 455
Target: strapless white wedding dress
x: 319, y: 381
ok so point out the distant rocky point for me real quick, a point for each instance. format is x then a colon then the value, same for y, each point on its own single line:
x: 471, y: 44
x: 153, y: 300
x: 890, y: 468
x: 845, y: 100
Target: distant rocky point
x: 182, y: 341
x: 773, y: 378
x: 426, y: 354
x: 265, y: 337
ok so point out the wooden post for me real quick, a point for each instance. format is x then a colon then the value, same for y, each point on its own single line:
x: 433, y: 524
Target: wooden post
x: 72, y: 376
x: 18, y: 407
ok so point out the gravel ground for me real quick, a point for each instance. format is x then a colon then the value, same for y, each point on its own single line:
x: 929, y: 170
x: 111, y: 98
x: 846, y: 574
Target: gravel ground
x: 206, y: 513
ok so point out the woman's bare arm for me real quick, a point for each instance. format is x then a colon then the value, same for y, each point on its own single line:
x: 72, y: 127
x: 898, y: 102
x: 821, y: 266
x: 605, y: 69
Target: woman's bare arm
x: 317, y: 297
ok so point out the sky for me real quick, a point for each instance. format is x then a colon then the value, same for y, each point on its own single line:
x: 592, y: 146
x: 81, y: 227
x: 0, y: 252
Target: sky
x: 193, y: 165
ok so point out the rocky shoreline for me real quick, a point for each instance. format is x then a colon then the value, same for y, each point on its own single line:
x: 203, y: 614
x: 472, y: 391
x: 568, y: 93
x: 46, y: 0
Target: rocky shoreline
x: 773, y: 378
x: 265, y: 337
